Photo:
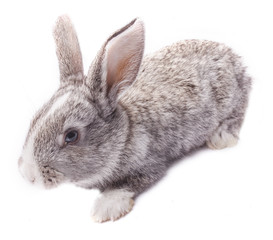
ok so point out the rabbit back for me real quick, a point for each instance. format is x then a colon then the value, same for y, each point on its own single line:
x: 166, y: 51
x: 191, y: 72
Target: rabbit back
x: 184, y: 92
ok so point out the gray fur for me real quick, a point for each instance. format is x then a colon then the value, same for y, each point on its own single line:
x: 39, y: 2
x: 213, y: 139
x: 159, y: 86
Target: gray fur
x: 182, y: 95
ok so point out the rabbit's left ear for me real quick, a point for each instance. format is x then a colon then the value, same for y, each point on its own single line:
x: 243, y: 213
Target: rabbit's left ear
x: 117, y: 64
x: 68, y: 51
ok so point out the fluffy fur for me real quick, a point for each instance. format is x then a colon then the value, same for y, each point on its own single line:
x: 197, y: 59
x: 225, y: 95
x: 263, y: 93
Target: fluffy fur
x: 134, y: 116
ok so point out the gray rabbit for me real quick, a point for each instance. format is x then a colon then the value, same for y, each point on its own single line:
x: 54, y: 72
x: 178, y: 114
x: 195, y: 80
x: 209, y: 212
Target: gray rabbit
x: 119, y: 127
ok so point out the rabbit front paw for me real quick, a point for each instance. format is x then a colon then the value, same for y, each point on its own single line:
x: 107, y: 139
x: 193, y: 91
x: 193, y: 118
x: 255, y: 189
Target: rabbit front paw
x: 112, y: 205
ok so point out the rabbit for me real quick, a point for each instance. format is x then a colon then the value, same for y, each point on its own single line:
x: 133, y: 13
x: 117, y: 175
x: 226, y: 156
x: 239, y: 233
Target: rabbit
x: 120, y: 127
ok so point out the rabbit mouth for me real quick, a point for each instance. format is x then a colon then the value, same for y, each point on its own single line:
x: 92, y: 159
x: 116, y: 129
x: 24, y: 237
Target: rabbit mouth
x: 44, y: 177
x: 30, y: 171
x: 34, y: 173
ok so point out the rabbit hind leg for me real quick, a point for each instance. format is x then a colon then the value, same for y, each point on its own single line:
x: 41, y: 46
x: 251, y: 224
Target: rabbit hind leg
x: 222, y: 138
x: 227, y: 133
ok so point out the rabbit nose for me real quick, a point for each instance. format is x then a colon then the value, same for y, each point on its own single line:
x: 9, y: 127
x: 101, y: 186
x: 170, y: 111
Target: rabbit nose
x: 20, y: 161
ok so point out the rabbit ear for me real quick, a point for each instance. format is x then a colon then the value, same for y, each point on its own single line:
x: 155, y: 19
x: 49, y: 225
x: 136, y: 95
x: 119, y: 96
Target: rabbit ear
x: 123, y: 55
x: 118, y: 62
x: 68, y: 50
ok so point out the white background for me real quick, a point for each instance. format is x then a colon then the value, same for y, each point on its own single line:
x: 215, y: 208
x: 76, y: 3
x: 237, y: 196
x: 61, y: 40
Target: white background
x: 225, y: 194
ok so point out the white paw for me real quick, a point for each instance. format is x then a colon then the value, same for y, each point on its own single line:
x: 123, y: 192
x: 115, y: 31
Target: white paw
x: 220, y: 140
x: 112, y: 205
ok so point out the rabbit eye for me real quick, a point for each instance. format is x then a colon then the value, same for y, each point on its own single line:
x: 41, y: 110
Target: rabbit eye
x: 71, y: 137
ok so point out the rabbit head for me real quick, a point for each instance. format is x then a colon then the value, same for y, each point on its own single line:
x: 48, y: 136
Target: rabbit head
x: 78, y: 135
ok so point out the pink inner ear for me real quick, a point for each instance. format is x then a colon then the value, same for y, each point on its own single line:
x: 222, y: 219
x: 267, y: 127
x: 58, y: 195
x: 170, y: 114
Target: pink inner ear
x: 118, y: 71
